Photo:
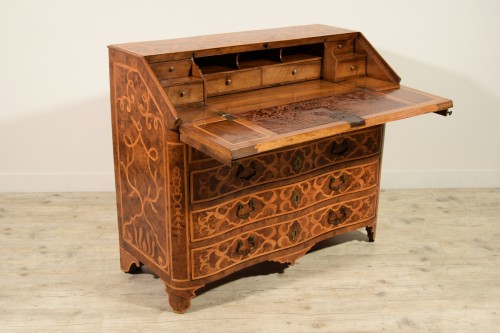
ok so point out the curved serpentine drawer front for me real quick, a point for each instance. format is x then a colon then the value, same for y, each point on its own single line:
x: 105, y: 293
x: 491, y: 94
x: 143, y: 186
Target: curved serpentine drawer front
x: 212, y: 183
x: 248, y: 209
x: 231, y: 251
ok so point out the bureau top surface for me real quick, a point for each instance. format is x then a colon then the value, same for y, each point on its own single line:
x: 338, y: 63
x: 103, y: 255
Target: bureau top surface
x: 210, y: 44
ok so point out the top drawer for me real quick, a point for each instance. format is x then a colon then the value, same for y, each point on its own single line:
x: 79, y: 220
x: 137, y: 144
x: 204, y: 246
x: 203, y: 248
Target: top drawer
x: 291, y: 72
x: 171, y: 69
x: 212, y: 183
x: 226, y: 82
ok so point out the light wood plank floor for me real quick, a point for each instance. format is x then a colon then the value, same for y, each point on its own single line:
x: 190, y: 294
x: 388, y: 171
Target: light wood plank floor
x: 434, y: 267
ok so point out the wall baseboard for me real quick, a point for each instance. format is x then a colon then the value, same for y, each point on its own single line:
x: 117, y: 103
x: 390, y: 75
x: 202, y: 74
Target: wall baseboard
x: 105, y: 181
x: 57, y: 182
x: 478, y: 178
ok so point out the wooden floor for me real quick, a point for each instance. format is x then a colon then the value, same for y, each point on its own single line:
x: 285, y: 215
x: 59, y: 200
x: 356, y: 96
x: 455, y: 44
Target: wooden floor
x: 434, y: 267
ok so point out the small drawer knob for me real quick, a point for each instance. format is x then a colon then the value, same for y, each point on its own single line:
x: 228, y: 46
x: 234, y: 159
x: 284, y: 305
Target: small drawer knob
x: 171, y: 69
x: 182, y: 93
x: 353, y: 68
x: 229, y: 82
x: 294, y: 72
x: 340, y: 46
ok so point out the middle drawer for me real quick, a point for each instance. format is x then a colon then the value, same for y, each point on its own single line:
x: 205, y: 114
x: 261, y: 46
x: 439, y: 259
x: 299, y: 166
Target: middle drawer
x: 211, y: 183
x: 235, y: 213
x: 221, y: 83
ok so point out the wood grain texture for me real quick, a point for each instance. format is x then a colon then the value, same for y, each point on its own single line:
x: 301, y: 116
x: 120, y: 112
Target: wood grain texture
x: 433, y: 268
x: 249, y: 40
x: 284, y: 158
x: 303, y: 121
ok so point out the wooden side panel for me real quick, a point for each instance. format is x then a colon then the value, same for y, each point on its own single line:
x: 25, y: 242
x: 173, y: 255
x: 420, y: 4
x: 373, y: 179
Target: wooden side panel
x: 376, y: 66
x: 139, y: 139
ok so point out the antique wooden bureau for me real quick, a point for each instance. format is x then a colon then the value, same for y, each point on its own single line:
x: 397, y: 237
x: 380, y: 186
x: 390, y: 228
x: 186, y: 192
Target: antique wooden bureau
x: 238, y: 148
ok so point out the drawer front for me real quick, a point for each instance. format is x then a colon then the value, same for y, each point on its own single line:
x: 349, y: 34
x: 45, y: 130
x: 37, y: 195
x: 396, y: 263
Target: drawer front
x: 222, y: 83
x: 211, y: 183
x: 291, y: 72
x: 214, y: 258
x: 350, y: 69
x: 343, y: 46
x: 171, y: 69
x: 262, y: 205
x: 186, y: 93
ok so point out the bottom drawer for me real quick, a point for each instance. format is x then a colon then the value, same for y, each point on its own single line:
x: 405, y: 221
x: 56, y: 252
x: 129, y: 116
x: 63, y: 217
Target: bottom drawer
x: 215, y: 258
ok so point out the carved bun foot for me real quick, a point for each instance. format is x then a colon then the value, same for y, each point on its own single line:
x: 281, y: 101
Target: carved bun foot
x: 128, y: 262
x: 371, y: 231
x: 180, y: 299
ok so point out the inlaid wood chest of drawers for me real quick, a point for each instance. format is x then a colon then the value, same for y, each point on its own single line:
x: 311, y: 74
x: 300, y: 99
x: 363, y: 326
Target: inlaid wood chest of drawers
x: 239, y: 148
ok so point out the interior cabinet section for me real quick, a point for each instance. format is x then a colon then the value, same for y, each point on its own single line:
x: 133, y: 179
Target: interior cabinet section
x: 171, y: 69
x: 235, y: 72
x: 226, y: 82
x: 290, y: 72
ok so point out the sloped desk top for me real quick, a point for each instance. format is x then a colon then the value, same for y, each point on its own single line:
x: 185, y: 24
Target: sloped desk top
x: 253, y: 122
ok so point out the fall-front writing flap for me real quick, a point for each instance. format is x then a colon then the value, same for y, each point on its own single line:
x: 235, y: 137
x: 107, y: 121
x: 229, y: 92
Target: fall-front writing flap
x: 229, y: 136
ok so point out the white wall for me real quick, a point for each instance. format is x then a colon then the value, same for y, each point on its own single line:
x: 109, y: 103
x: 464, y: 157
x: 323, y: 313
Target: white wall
x: 55, y: 131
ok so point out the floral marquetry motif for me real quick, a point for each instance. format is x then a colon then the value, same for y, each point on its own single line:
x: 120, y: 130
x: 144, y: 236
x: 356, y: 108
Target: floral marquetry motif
x: 214, y: 258
x: 265, y: 204
x: 235, y: 149
x: 141, y: 142
x: 221, y: 180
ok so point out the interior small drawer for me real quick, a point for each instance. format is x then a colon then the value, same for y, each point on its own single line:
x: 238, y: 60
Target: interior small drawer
x: 291, y: 72
x: 171, y: 69
x: 226, y: 82
x: 343, y: 46
x: 185, y: 93
x: 346, y: 69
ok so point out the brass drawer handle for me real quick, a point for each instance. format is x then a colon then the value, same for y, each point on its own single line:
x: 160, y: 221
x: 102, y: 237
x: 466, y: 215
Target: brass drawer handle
x: 296, y: 198
x: 240, y: 208
x: 353, y: 68
x: 229, y: 82
x: 171, y: 69
x: 183, y: 93
x: 242, y: 174
x: 333, y: 181
x: 251, y: 242
x: 336, y: 218
x: 294, y: 71
x: 340, y: 149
